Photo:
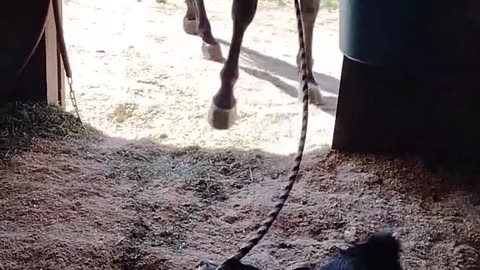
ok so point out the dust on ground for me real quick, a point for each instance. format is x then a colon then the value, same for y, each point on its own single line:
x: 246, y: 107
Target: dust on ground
x: 156, y: 188
x: 73, y: 198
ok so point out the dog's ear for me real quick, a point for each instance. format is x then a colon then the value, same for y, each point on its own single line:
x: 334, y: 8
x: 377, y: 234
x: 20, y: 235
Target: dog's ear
x: 206, y: 265
x: 302, y: 266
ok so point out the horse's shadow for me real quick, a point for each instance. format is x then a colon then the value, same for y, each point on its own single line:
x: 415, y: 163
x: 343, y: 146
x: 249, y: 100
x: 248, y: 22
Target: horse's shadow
x: 270, y: 69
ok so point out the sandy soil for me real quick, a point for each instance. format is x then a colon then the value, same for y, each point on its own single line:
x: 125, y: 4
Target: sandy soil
x: 161, y: 190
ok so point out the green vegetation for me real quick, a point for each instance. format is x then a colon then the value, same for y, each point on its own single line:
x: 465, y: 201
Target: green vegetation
x: 331, y: 5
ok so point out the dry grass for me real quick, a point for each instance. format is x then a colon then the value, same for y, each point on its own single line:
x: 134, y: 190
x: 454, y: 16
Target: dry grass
x: 23, y: 123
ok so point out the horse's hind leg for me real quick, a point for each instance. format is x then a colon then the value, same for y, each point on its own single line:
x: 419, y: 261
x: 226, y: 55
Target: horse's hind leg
x: 310, y: 10
x: 195, y: 22
x: 190, y: 21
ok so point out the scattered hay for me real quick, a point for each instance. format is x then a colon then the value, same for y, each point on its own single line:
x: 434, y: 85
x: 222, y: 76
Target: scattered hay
x: 21, y: 124
x: 207, y: 188
x: 215, y: 177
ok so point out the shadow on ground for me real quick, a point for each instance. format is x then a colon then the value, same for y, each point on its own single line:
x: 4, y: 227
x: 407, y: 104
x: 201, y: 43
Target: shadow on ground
x: 88, y: 201
x: 272, y: 68
x: 284, y: 69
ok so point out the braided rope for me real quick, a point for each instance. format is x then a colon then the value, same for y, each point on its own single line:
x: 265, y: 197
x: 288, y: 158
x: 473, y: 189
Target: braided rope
x: 272, y: 216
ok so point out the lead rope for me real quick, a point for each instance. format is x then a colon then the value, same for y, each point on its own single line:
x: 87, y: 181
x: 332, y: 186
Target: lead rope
x: 63, y: 53
x: 273, y: 214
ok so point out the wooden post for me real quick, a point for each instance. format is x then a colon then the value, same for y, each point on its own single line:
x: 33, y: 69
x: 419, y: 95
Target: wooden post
x: 61, y: 71
x: 55, y: 76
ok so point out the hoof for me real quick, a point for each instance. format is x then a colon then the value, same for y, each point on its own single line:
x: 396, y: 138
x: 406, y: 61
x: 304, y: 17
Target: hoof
x: 212, y: 52
x: 190, y: 26
x: 314, y: 94
x: 220, y: 118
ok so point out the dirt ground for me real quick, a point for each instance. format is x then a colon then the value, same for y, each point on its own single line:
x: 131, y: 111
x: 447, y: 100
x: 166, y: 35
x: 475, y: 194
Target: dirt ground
x: 152, y: 186
x: 71, y: 201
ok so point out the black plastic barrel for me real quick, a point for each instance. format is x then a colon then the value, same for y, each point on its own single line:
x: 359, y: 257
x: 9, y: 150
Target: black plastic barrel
x: 382, y: 32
